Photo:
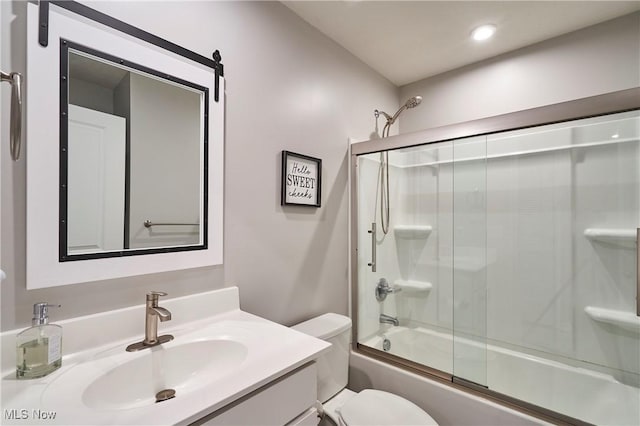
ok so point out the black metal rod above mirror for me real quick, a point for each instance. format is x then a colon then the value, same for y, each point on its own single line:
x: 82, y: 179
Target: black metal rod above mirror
x: 104, y: 19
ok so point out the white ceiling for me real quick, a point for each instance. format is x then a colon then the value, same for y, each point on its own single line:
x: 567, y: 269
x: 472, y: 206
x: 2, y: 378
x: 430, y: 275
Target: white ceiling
x: 406, y: 41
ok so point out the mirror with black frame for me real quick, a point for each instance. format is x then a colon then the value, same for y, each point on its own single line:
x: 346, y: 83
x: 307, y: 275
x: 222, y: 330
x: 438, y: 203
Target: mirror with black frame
x: 134, y: 158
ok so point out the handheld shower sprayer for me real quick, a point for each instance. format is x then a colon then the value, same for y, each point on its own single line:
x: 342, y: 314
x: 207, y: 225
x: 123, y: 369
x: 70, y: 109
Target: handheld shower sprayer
x: 411, y: 103
x: 383, y: 172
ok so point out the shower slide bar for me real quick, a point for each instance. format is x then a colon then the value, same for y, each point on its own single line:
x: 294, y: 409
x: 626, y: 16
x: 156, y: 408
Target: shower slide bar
x: 15, y: 127
x: 638, y: 272
x: 149, y: 224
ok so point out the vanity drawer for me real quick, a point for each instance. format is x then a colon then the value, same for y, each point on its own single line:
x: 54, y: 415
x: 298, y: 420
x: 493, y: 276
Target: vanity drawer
x: 308, y: 418
x: 274, y: 404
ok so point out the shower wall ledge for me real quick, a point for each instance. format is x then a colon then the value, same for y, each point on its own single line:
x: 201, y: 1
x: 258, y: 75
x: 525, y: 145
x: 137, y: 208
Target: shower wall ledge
x: 626, y: 320
x: 412, y: 232
x: 414, y: 288
x: 622, y: 237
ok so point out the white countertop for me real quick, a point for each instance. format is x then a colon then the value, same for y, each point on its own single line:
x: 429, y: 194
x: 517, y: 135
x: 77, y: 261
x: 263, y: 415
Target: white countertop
x: 273, y: 350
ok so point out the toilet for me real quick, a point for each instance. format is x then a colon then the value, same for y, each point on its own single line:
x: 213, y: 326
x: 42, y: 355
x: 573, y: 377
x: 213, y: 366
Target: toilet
x: 343, y: 406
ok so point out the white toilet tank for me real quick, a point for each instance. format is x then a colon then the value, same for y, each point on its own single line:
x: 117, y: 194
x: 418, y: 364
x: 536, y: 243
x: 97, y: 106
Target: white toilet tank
x: 333, y: 367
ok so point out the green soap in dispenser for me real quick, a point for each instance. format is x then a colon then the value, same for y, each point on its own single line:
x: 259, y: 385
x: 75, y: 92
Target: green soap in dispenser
x: 39, y: 347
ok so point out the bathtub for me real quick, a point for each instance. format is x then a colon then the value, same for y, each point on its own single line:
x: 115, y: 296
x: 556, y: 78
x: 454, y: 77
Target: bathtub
x: 597, y: 397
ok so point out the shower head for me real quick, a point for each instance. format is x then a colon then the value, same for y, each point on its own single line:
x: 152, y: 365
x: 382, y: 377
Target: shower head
x: 413, y: 102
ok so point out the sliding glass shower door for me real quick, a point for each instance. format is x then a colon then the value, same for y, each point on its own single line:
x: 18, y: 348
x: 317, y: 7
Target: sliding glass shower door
x: 408, y: 306
x: 412, y: 283
x: 509, y: 263
x: 469, y: 226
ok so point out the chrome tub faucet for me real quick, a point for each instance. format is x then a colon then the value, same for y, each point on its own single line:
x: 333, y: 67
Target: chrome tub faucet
x: 153, y: 313
x: 388, y: 319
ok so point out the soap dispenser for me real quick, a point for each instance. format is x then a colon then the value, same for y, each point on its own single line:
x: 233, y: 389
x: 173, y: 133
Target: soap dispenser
x: 39, y: 347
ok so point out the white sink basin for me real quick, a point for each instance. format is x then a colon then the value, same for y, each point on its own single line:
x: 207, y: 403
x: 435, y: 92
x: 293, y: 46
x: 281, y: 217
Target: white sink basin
x: 220, y: 356
x: 132, y: 379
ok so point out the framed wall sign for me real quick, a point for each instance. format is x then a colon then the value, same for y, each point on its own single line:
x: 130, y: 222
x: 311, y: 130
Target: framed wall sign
x: 301, y: 180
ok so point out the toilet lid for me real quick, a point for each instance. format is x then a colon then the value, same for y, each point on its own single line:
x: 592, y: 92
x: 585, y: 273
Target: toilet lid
x: 374, y: 407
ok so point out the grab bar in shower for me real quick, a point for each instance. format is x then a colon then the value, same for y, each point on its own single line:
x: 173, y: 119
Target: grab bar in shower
x: 15, y: 127
x: 149, y: 224
x: 372, y: 231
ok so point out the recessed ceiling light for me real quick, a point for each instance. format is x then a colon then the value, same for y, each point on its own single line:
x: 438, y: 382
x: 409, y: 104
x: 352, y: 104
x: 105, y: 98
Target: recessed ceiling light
x: 483, y: 32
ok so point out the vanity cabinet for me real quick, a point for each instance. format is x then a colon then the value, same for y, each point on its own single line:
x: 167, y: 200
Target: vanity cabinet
x: 288, y: 400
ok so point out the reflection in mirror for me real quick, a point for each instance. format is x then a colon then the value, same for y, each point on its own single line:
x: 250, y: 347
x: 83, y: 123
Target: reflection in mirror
x: 136, y: 162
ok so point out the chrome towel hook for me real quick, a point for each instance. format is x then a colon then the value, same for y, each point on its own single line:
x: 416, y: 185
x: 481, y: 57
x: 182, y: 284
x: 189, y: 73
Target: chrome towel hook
x: 15, y: 128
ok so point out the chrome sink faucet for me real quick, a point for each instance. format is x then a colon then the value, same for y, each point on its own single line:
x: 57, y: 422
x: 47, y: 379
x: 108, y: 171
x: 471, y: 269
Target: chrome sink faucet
x: 153, y: 313
x: 388, y: 319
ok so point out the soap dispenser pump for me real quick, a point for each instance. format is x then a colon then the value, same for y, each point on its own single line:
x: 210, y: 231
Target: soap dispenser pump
x: 39, y: 347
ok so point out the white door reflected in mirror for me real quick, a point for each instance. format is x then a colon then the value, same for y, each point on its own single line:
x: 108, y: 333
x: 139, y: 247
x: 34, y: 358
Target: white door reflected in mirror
x: 97, y: 170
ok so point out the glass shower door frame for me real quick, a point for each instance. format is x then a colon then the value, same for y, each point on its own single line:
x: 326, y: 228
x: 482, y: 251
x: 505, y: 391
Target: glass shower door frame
x: 615, y: 102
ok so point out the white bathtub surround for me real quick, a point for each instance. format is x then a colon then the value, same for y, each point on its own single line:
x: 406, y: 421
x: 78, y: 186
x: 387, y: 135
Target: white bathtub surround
x: 445, y: 403
x: 521, y: 374
x: 94, y: 345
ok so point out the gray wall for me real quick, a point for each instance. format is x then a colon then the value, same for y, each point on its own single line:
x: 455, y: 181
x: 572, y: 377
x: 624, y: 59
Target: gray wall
x: 596, y: 60
x: 288, y: 87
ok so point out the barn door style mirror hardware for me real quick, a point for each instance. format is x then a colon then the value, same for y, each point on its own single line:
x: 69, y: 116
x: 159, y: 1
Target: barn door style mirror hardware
x: 94, y: 15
